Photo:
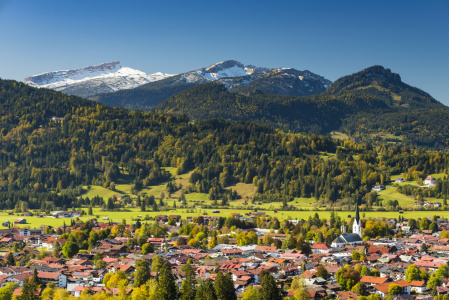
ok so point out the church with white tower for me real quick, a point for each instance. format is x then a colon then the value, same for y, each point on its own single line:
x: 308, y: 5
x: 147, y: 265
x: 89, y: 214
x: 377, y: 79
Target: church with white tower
x: 354, y: 238
x: 357, y: 225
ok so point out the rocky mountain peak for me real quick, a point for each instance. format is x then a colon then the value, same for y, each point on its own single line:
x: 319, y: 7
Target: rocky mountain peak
x: 227, y: 64
x: 379, y: 72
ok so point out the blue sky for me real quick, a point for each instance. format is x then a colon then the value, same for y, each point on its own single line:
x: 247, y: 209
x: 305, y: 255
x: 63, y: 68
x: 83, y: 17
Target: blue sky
x: 331, y: 38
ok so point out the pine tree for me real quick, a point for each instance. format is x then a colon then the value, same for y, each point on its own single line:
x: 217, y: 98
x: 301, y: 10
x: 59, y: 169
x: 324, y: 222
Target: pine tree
x: 10, y: 260
x: 224, y: 287
x: 205, y: 290
x: 110, y: 204
x: 188, y: 288
x: 29, y: 290
x: 35, y: 279
x: 157, y: 264
x: 167, y: 287
x: 423, y: 248
x: 56, y: 249
x: 142, y: 273
x: 90, y: 211
x: 270, y: 291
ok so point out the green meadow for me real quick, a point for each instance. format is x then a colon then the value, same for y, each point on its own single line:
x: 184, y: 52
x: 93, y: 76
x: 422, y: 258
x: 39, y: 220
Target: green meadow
x: 308, y: 206
x: 134, y: 213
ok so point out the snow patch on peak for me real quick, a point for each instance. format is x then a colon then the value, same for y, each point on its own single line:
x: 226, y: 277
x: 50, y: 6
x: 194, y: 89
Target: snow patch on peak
x: 88, y: 81
x: 220, y: 70
x: 73, y: 75
x: 223, y: 65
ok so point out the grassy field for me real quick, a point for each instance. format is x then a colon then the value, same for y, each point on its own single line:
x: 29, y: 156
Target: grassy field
x: 438, y: 175
x: 326, y: 156
x: 246, y: 191
x: 390, y: 193
x: 339, y: 135
x: 95, y: 190
x: 134, y: 213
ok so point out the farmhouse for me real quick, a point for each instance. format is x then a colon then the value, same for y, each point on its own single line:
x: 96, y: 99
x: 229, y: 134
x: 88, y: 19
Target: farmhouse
x: 430, y: 181
x: 378, y: 188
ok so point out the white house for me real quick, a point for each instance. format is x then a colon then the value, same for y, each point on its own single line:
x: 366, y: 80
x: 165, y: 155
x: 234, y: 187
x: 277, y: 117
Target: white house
x: 320, y: 248
x: 382, y: 289
x: 378, y: 188
x: 430, y: 181
x: 59, y: 279
x: 418, y: 286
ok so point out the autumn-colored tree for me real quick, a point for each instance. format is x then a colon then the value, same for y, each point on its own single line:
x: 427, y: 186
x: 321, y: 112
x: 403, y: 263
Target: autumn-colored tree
x: 394, y: 289
x: 157, y: 263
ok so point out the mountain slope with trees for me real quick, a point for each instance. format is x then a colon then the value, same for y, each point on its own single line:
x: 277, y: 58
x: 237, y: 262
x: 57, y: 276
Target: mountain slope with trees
x: 361, y: 105
x: 52, y: 144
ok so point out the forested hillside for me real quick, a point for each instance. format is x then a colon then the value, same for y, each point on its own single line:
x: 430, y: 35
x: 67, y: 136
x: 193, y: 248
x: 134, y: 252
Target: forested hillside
x: 361, y: 105
x: 143, y: 97
x: 46, y: 161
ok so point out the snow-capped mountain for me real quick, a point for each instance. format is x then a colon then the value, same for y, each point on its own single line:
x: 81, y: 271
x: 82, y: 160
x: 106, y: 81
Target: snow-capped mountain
x: 89, y: 81
x: 224, y: 69
x: 279, y: 81
x: 112, y: 84
x: 240, y: 78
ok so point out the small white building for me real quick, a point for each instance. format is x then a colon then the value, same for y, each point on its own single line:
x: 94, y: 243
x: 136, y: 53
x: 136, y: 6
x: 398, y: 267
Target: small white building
x: 320, y: 248
x: 430, y: 181
x: 418, y: 286
x: 399, y: 180
x: 378, y: 188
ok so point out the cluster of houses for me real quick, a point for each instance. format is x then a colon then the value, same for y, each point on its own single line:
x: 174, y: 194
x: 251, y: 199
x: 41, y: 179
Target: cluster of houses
x: 55, y: 214
x: 428, y: 204
x: 390, y: 257
x: 429, y: 182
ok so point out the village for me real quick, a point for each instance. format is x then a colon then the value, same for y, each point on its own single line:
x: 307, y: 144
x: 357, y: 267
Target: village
x: 411, y: 263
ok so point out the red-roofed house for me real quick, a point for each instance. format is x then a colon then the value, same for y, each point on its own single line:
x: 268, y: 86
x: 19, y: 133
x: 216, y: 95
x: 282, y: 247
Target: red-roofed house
x: 17, y: 292
x: 382, y: 289
x: 229, y: 252
x: 370, y: 280
x: 59, y: 279
x: 231, y: 267
x: 320, y: 248
x: 418, y: 286
x: 265, y: 248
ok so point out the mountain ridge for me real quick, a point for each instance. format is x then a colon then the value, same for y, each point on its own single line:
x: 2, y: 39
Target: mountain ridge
x: 91, y: 80
x: 234, y: 75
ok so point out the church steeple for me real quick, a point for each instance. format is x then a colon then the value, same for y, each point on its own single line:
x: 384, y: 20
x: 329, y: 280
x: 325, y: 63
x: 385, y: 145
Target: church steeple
x: 357, y: 215
x: 357, y: 225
